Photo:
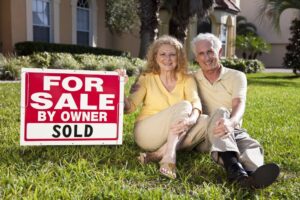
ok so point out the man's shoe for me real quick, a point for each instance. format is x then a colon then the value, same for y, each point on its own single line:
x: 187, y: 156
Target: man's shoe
x: 236, y: 173
x: 264, y: 176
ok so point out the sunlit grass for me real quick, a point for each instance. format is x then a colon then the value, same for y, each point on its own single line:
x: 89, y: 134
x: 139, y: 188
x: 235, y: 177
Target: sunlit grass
x: 112, y: 172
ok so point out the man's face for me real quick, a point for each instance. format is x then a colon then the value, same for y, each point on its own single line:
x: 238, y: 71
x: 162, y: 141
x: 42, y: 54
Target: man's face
x: 206, y: 56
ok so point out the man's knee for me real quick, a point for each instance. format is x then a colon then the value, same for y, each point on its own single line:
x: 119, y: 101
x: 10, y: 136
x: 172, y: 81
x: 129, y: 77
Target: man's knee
x: 222, y: 112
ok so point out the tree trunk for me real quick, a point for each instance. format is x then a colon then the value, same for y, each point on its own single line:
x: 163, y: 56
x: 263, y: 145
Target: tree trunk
x: 180, y: 19
x: 148, y: 13
x: 182, y: 10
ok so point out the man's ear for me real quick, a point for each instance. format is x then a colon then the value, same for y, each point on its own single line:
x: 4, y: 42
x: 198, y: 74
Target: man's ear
x: 220, y: 52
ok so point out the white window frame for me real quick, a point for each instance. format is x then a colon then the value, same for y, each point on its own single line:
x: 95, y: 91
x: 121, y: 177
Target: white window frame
x: 224, y: 37
x: 93, y: 22
x: 54, y: 18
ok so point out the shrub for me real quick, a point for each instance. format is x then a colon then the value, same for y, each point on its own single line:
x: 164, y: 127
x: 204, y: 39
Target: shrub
x: 247, y: 66
x: 29, y: 48
x: 121, y: 16
x: 63, y: 61
x: 292, y: 56
x: 251, y: 46
x: 41, y: 59
x: 10, y: 67
x: 87, y: 61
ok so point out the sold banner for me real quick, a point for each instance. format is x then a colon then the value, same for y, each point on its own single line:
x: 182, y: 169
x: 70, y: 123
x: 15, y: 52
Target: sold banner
x: 65, y: 107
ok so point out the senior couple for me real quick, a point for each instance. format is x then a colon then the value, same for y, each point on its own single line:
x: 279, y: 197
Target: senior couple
x: 202, y: 111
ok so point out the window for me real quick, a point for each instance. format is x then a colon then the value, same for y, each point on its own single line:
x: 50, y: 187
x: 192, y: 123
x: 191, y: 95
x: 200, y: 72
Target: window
x: 41, y: 20
x: 223, y: 38
x: 83, y: 22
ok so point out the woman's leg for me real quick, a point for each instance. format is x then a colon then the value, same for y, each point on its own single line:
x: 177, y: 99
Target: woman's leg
x: 154, y: 134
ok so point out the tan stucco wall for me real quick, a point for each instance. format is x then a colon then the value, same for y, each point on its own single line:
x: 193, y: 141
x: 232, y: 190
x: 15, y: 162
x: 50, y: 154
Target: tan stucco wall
x: 5, y: 27
x: 65, y: 22
x: 278, y: 40
x: 127, y: 42
x: 18, y: 22
x: 104, y: 39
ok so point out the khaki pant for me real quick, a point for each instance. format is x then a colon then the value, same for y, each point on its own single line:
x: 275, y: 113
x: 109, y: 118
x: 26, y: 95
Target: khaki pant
x: 151, y: 133
x: 249, y: 151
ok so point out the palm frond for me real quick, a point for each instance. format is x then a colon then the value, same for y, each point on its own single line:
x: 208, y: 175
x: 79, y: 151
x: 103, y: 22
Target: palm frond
x: 273, y: 9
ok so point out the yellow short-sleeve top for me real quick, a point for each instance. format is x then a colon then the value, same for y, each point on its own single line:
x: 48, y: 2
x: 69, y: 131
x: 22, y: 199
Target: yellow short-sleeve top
x: 155, y: 97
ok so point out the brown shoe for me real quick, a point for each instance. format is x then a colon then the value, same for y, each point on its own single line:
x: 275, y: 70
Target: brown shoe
x: 264, y: 176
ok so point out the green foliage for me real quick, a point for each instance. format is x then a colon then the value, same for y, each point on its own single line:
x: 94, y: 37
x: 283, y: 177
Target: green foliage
x: 247, y: 66
x: 292, y: 56
x: 63, y: 61
x: 121, y: 16
x: 41, y: 59
x: 251, y: 46
x: 243, y: 27
x: 29, y: 48
x: 10, y: 67
x: 112, y: 172
x: 87, y: 61
x: 274, y: 8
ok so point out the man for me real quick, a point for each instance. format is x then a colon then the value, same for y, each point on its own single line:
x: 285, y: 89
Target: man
x: 223, y: 95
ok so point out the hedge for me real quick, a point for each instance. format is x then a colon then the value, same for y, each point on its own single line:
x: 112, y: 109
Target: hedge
x: 29, y: 48
x: 10, y: 67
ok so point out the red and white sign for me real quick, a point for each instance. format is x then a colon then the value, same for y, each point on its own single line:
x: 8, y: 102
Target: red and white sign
x: 65, y: 107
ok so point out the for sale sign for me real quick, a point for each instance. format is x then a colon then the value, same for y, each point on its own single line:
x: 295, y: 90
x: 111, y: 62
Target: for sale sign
x: 64, y: 107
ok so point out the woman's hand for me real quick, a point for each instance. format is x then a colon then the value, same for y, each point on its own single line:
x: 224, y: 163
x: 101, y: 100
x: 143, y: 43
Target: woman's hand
x: 122, y: 72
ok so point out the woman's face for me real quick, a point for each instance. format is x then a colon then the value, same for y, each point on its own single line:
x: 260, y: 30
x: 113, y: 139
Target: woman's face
x: 166, y: 58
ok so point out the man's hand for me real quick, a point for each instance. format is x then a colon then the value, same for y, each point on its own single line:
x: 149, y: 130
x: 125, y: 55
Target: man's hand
x: 224, y: 127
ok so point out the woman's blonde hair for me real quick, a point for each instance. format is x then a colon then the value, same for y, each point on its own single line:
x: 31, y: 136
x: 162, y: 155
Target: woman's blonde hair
x: 152, y: 66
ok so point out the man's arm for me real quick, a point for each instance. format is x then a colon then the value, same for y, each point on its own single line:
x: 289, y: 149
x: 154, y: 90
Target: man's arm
x: 238, y: 109
x: 226, y: 126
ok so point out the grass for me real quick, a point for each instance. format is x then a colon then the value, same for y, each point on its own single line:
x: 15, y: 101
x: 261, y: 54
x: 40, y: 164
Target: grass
x: 112, y: 172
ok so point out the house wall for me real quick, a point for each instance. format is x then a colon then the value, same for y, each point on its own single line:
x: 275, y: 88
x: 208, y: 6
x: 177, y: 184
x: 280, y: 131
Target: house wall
x: 18, y: 21
x: 16, y: 25
x: 278, y: 40
x: 65, y: 22
x: 5, y: 27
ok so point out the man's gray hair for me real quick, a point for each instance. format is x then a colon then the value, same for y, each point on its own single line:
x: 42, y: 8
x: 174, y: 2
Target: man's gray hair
x: 216, y: 42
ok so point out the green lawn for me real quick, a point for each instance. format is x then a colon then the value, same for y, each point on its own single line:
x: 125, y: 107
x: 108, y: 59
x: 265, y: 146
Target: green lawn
x: 112, y: 172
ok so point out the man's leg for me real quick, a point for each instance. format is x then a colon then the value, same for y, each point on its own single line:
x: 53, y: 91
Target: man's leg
x: 251, y: 156
x: 225, y: 151
x: 239, y: 147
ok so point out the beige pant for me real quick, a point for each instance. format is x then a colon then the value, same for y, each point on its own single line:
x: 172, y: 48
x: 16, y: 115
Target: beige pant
x: 249, y: 151
x: 151, y: 133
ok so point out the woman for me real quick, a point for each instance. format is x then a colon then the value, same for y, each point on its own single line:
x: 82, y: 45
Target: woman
x: 170, y: 106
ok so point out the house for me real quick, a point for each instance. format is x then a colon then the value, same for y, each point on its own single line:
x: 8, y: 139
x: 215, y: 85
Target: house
x: 83, y: 22
x: 278, y: 39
